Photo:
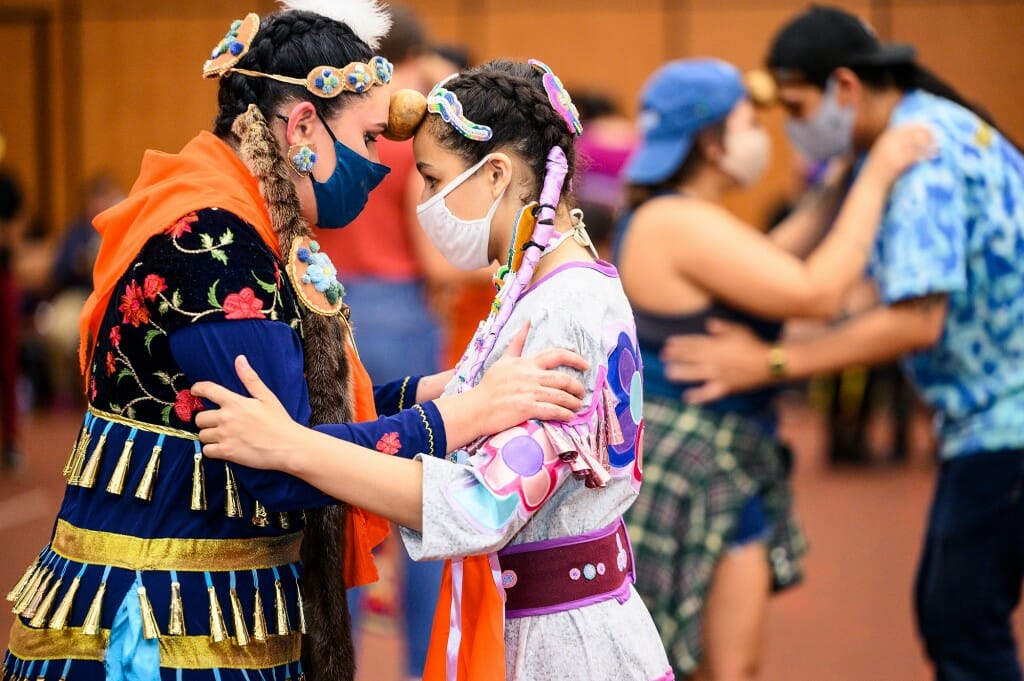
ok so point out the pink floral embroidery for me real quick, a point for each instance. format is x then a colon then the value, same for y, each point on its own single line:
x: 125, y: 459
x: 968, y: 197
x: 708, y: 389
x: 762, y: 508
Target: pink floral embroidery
x: 115, y: 336
x: 111, y: 364
x: 243, y: 305
x: 133, y: 306
x: 153, y: 285
x: 522, y: 460
x: 183, y: 225
x: 185, y: 404
x: 92, y: 388
x: 389, y: 443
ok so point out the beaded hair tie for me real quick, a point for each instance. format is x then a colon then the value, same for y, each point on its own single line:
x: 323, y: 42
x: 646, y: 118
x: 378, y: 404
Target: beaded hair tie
x: 323, y: 81
x: 559, y: 97
x: 446, y: 104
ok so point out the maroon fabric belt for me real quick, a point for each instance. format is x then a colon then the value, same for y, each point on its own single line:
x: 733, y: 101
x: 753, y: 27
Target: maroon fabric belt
x: 555, y: 575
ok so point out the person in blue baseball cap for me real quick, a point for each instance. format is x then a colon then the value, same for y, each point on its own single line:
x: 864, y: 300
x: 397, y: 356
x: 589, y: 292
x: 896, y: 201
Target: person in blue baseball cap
x: 713, y: 528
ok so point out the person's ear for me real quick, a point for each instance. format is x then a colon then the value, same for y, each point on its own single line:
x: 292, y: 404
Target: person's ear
x: 498, y: 171
x: 848, y: 87
x: 302, y: 120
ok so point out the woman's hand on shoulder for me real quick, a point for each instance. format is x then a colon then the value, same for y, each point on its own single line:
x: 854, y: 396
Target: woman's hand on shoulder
x: 899, y: 148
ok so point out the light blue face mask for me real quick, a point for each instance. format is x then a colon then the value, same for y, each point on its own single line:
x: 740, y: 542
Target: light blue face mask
x: 343, y: 195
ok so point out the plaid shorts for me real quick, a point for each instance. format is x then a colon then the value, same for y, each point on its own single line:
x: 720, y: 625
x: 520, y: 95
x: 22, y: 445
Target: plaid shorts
x: 701, y: 467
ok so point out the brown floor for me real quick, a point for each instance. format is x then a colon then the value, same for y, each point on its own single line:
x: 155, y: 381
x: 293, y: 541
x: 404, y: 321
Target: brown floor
x: 850, y: 621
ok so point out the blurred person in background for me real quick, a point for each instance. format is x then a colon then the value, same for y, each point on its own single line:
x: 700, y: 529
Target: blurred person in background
x: 949, y: 265
x: 11, y: 226
x: 713, y: 527
x: 386, y: 260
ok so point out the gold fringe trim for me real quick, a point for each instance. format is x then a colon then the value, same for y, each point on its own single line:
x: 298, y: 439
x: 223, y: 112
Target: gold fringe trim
x: 232, y: 504
x: 43, y: 612
x: 145, y: 489
x: 238, y: 619
x: 198, y: 484
x: 19, y: 588
x: 69, y: 464
x: 63, y: 611
x: 75, y: 471
x: 218, y: 628
x: 91, y: 625
x: 117, y: 478
x: 284, y: 520
x: 145, y: 427
x: 259, y: 515
x: 190, y: 555
x: 302, y: 609
x: 259, y: 620
x: 37, y: 597
x: 92, y: 466
x: 150, y: 630
x: 281, y: 608
x: 184, y: 652
x: 176, y: 621
x: 30, y: 590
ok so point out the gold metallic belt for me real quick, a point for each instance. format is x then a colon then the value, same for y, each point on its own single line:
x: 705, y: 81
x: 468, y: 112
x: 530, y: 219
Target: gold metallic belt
x: 176, y: 652
x: 145, y: 427
x: 187, y: 555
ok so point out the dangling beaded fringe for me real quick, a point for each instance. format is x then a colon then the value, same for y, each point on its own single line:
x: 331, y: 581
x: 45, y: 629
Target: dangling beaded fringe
x: 145, y: 488
x: 92, y: 466
x: 218, y: 628
x: 39, y: 620
x: 150, y: 630
x: 232, y: 504
x: 37, y: 597
x: 198, y: 484
x: 283, y: 625
x: 238, y: 619
x: 78, y: 459
x: 15, y: 593
x: 91, y: 625
x: 63, y: 611
x: 116, y: 484
x: 30, y: 591
x: 176, y: 621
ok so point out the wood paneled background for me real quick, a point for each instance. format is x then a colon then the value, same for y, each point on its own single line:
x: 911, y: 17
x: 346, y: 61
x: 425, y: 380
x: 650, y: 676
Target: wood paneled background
x: 87, y: 85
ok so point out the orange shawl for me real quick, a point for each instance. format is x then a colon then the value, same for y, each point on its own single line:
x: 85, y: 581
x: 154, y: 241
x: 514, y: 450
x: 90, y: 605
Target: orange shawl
x: 208, y: 174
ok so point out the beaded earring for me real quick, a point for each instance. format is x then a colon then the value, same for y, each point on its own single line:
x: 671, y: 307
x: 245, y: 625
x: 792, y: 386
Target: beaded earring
x: 302, y: 157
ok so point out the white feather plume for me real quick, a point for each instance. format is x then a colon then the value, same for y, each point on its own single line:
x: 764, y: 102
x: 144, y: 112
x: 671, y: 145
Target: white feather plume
x: 368, y: 19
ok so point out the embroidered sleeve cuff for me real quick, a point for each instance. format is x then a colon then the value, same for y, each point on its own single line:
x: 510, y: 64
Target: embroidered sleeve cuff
x: 418, y: 430
x: 395, y: 396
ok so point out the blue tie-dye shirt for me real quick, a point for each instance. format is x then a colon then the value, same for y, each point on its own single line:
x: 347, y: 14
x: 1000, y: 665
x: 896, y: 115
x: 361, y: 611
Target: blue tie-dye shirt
x: 955, y: 225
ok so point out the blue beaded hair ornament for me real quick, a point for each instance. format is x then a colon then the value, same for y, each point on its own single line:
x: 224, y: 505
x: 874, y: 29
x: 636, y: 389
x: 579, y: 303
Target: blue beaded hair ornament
x: 326, y: 82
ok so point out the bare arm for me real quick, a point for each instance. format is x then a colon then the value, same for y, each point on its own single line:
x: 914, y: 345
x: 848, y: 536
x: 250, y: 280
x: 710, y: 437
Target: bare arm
x: 733, y: 360
x: 804, y: 228
x: 738, y: 265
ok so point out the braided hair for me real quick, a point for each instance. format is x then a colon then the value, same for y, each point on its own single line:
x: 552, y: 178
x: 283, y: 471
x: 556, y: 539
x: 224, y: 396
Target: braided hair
x: 292, y: 44
x: 510, y: 98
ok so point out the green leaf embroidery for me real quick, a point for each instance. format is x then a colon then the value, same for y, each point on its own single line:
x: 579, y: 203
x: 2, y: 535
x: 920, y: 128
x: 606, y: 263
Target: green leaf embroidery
x: 211, y: 295
x: 219, y: 255
x: 176, y: 298
x: 150, y: 335
x: 163, y: 307
x: 124, y: 372
x: 165, y: 414
x: 227, y: 238
x: 116, y: 408
x: 206, y: 240
x: 163, y: 376
x: 269, y: 288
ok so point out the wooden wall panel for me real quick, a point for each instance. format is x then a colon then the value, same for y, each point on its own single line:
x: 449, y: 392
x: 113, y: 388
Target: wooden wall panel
x: 975, y: 45
x: 19, y: 120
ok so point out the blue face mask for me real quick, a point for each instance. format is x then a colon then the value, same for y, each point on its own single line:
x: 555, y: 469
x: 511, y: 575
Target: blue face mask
x: 343, y: 196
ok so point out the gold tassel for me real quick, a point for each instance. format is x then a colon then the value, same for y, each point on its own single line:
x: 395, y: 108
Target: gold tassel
x: 63, y: 611
x: 232, y: 504
x: 37, y: 598
x: 92, y: 466
x: 259, y: 516
x: 38, y: 621
x: 150, y: 630
x: 259, y: 621
x: 176, y: 624
x: 75, y: 469
x: 26, y: 596
x: 284, y: 520
x: 198, y: 484
x: 66, y: 471
x: 145, y: 489
x: 19, y: 588
x: 116, y: 484
x: 91, y: 625
x: 283, y: 626
x: 302, y: 609
x: 218, y: 628
x: 241, y: 633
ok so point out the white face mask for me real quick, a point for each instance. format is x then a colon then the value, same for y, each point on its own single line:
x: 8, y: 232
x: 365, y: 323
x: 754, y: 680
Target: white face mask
x: 747, y: 154
x: 829, y: 133
x: 463, y: 243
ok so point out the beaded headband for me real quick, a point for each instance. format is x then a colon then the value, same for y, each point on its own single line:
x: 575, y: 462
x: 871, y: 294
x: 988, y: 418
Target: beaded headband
x: 559, y: 97
x: 323, y: 81
x: 446, y: 104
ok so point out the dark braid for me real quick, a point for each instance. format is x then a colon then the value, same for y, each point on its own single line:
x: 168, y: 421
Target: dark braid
x: 288, y: 44
x: 510, y: 98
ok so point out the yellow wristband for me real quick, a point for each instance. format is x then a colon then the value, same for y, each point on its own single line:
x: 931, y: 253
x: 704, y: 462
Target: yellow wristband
x: 777, y: 361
